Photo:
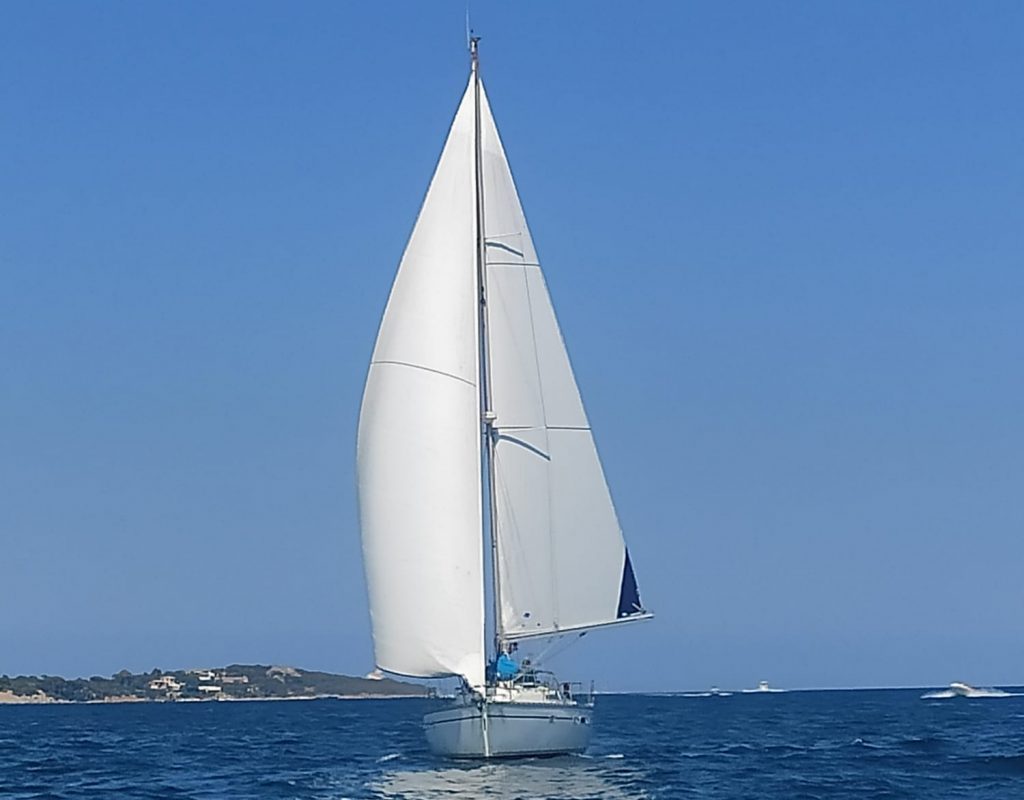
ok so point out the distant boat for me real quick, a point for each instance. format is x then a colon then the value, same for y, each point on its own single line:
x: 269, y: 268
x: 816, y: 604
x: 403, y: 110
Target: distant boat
x: 714, y: 691
x: 472, y: 431
x: 959, y: 689
x: 763, y: 688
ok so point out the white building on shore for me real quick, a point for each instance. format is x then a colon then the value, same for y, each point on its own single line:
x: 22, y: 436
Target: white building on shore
x: 166, y: 683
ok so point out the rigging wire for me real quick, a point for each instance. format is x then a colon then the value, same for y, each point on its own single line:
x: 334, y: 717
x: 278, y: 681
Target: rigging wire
x: 558, y: 645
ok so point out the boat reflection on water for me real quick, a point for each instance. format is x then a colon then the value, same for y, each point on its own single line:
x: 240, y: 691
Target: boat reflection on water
x: 566, y: 778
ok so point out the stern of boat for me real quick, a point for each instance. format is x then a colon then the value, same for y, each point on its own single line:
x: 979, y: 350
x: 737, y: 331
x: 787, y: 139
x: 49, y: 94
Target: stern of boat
x: 532, y: 715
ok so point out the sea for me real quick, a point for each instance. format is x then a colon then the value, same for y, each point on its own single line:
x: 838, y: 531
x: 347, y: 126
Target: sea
x: 815, y: 744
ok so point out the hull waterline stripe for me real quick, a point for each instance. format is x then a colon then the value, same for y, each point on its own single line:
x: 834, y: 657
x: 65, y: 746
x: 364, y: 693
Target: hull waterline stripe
x: 545, y: 717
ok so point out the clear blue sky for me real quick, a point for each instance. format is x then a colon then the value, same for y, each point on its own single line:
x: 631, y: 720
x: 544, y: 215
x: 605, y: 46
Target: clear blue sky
x: 784, y: 241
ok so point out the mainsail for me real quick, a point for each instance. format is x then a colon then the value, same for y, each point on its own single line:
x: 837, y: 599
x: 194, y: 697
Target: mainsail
x: 561, y: 560
x: 418, y: 451
x: 561, y: 563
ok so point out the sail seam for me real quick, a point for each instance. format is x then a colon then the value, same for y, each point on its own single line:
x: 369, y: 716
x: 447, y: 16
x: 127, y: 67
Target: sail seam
x: 541, y: 428
x: 425, y: 369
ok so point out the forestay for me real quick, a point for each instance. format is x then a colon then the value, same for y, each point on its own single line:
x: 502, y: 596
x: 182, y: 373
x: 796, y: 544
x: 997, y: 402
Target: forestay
x: 418, y: 451
x: 562, y: 562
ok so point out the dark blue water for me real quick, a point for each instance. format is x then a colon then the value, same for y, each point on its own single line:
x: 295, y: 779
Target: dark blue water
x: 860, y: 744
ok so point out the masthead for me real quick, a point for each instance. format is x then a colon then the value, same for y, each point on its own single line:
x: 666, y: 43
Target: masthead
x: 473, y: 46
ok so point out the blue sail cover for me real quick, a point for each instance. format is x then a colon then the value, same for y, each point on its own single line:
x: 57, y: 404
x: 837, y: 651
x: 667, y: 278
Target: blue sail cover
x: 505, y: 667
x: 629, y: 595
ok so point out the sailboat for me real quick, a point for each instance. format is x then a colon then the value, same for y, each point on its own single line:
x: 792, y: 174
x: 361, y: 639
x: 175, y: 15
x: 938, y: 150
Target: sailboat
x: 473, y: 446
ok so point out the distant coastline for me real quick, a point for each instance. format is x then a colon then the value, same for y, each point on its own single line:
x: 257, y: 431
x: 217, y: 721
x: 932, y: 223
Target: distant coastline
x: 234, y: 682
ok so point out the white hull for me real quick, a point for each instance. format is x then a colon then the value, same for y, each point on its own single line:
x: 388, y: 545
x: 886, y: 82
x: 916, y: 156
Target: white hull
x: 468, y: 729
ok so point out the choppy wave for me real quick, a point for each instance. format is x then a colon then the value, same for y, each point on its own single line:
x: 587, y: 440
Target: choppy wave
x: 841, y: 745
x: 969, y: 694
x: 1013, y: 764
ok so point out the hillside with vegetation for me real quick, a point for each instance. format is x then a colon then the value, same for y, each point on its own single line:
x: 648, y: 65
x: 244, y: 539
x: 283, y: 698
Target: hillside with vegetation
x: 235, y: 682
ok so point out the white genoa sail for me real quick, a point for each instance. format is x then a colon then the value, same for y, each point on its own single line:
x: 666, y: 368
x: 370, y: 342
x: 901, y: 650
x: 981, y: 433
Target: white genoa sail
x: 419, y: 448
x: 562, y: 562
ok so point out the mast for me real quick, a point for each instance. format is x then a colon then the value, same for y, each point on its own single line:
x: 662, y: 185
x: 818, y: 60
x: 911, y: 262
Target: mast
x: 487, y: 415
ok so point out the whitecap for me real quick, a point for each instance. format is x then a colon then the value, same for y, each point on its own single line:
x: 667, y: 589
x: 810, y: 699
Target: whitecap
x: 970, y: 693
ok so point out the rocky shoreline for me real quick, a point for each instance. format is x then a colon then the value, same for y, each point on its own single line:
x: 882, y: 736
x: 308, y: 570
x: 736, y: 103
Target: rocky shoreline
x: 232, y: 683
